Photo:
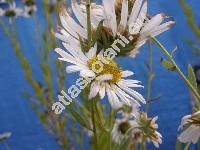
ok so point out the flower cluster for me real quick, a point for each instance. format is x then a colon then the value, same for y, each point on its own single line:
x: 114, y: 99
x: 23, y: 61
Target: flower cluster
x: 118, y: 28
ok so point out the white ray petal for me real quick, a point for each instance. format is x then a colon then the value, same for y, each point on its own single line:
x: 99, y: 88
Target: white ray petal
x: 133, y: 93
x: 135, y: 11
x: 123, y: 96
x: 76, y: 52
x: 71, y: 26
x: 61, y: 37
x: 73, y: 68
x: 129, y: 81
x: 94, y: 89
x: 82, y: 18
x: 127, y: 73
x: 113, y: 99
x: 92, y: 52
x: 87, y: 73
x: 154, y: 22
x: 124, y: 16
x: 104, y: 77
x: 102, y: 90
x: 109, y: 8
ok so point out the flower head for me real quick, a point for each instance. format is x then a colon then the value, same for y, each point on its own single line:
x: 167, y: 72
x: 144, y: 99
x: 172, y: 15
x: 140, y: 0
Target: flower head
x: 138, y: 129
x: 149, y: 128
x: 191, y: 126
x: 105, y: 78
x: 12, y: 11
x: 130, y: 19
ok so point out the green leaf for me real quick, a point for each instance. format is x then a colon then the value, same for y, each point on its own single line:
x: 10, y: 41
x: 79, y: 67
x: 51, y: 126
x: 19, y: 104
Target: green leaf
x: 192, y: 77
x: 168, y: 64
x: 98, y: 33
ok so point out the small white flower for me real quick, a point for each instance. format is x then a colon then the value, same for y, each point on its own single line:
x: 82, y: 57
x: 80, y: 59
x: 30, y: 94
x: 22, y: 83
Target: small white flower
x: 191, y: 131
x: 121, y: 127
x: 12, y: 11
x: 110, y: 80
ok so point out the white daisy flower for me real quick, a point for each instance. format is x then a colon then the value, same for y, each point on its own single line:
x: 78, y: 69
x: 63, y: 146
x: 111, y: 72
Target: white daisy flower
x: 12, y: 11
x: 121, y: 129
x: 138, y: 129
x: 191, y: 125
x: 111, y: 79
x: 129, y: 18
x: 126, y: 123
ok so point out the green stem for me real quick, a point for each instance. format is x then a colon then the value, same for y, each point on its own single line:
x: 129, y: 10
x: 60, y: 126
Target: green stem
x: 187, y: 146
x: 110, y: 129
x: 89, y: 31
x: 178, y: 70
x: 93, y: 123
x: 99, y: 116
x: 150, y: 76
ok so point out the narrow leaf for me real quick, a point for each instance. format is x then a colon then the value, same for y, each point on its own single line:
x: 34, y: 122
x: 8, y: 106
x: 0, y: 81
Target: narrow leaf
x: 168, y: 65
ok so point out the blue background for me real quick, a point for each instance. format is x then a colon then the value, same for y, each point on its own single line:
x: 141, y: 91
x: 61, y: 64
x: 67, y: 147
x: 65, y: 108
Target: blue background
x: 17, y: 116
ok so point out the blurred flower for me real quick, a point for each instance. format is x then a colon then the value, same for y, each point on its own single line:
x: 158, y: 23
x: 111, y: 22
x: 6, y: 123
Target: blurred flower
x: 191, y: 125
x: 148, y: 127
x: 129, y: 18
x: 28, y: 11
x: 3, y: 1
x: 12, y: 11
x: 121, y: 128
x: 30, y: 7
x: 5, y: 136
x: 110, y: 79
x: 138, y: 129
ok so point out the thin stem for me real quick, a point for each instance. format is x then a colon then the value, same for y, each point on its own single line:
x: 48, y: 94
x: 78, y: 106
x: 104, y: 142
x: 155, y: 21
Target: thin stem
x: 187, y: 146
x: 178, y: 70
x: 99, y: 116
x: 110, y: 129
x: 150, y: 76
x: 89, y: 32
x: 93, y: 123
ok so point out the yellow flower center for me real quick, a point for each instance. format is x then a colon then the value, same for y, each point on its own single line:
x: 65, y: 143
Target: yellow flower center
x: 111, y: 68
